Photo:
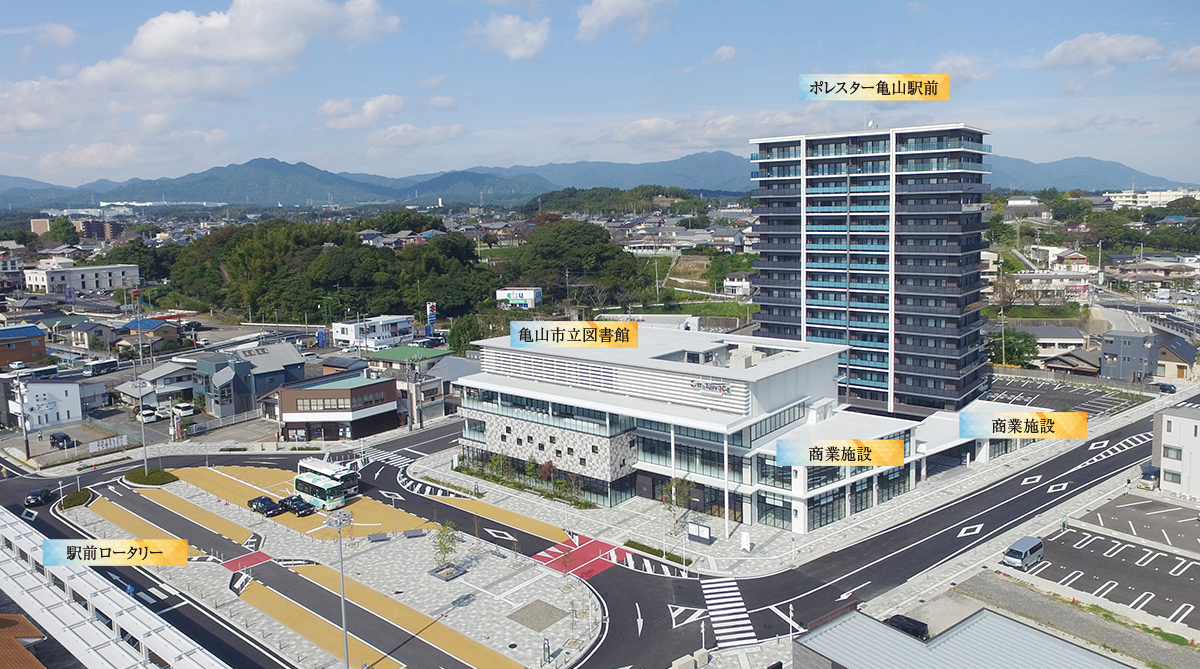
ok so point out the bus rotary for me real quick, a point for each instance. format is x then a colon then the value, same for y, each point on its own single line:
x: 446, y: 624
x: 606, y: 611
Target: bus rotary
x: 325, y: 485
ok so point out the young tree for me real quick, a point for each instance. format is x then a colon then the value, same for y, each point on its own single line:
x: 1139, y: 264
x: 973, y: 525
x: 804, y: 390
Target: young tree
x: 676, y: 494
x: 1000, y: 232
x: 445, y: 545
x: 463, y: 331
x: 531, y: 467
x: 547, y: 470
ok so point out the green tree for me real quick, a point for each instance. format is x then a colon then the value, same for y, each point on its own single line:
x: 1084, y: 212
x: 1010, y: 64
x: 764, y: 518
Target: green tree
x: 1000, y: 232
x: 445, y: 544
x: 62, y: 231
x: 1070, y: 210
x: 490, y: 238
x: 1020, y: 348
x: 531, y: 467
x: 463, y: 331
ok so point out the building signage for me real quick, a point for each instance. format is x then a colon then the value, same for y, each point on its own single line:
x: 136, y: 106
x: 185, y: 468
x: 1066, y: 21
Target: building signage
x: 1023, y: 425
x: 575, y: 334
x: 115, y: 552
x: 839, y: 452
x: 900, y: 87
x: 711, y: 387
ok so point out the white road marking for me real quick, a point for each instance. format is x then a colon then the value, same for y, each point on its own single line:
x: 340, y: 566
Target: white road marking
x: 1132, y: 528
x: 1181, y: 613
x: 1155, y: 513
x: 1100, y: 519
x: 1058, y: 487
x: 1070, y: 578
x: 969, y: 531
x: 1104, y: 589
x: 1148, y: 557
x: 1030, y: 480
x: 846, y: 595
x: 1117, y: 548
x: 172, y: 608
x: 1167, y: 538
x: 1139, y: 603
x: 1039, y: 568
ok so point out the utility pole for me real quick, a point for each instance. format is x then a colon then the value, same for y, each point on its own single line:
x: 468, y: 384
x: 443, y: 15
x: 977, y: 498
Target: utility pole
x: 1003, y: 348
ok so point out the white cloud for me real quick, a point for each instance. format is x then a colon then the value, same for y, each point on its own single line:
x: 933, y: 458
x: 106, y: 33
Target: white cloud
x: 1100, y: 50
x: 680, y: 73
x: 442, y: 102
x: 517, y: 38
x: 100, y: 154
x: 433, y: 82
x: 53, y: 34
x: 716, y: 130
x: 599, y: 15
x: 406, y: 135
x: 344, y: 116
x: 915, y: 7
x: 722, y: 54
x: 219, y: 55
x: 1183, y: 62
x: 154, y: 121
x: 962, y: 69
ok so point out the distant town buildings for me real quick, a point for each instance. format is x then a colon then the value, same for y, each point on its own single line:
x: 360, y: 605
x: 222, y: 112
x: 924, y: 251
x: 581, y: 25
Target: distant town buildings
x: 374, y: 334
x: 1130, y: 199
x: 522, y: 298
x: 56, y: 275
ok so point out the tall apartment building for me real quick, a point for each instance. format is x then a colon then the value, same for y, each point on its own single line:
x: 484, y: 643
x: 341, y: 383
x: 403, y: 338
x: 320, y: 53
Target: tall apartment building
x: 872, y: 239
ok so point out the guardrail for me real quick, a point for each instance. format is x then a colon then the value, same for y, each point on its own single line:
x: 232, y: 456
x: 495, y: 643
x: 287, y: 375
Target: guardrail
x: 93, y: 619
x: 201, y: 428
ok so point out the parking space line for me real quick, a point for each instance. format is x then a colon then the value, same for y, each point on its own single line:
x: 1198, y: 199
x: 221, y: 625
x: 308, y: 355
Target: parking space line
x: 1042, y: 566
x: 1070, y: 578
x: 1104, y: 589
x: 1132, y: 528
x: 1181, y: 612
x: 1117, y: 548
x: 1152, y: 513
x: 1183, y: 566
x: 1139, y: 603
x: 1148, y: 557
x: 1145, y: 501
x: 1083, y: 543
x: 1186, y: 520
x: 1100, y: 519
x: 1167, y: 538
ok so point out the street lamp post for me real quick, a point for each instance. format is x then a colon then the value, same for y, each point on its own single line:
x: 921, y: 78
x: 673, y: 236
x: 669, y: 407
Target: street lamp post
x: 140, y: 384
x: 338, y: 520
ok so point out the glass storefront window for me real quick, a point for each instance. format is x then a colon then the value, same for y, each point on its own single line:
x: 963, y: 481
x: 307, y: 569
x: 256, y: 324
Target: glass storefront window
x: 775, y: 510
x: 826, y: 508
x: 772, y: 474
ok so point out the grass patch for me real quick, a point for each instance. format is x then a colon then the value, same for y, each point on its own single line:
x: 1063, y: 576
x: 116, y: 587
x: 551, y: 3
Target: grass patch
x: 300, y: 448
x: 75, y: 498
x: 657, y: 552
x: 727, y: 309
x: 454, y: 486
x: 155, y: 477
x: 1166, y: 636
x: 233, y: 448
x: 101, y: 464
x: 575, y: 500
x: 1068, y: 310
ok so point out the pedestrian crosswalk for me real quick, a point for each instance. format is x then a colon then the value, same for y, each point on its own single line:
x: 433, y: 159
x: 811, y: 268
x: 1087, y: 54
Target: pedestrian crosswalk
x: 1119, y: 447
x: 727, y: 612
x: 372, y: 455
x: 1193, y: 405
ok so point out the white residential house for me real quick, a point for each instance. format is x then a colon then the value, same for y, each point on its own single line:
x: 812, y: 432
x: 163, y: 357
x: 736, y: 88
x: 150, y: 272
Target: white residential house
x: 374, y: 334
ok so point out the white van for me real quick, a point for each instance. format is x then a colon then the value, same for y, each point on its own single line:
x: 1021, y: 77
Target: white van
x: 1025, y: 553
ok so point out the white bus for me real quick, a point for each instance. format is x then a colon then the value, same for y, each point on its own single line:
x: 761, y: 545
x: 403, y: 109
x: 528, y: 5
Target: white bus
x: 98, y: 367
x: 325, y: 485
x: 47, y: 372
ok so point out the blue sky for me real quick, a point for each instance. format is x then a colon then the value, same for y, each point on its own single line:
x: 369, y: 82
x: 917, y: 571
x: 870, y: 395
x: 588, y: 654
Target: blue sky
x: 149, y: 89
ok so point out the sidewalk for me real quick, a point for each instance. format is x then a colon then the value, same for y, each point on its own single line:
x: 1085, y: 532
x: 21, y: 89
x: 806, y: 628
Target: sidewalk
x: 773, y: 549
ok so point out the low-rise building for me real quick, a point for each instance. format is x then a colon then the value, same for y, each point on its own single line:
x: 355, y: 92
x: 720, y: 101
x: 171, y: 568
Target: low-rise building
x: 374, y: 334
x: 1176, y: 360
x: 1177, y: 450
x: 350, y: 405
x: 1045, y: 287
x: 739, y: 283
x: 523, y: 298
x: 63, y: 274
x: 95, y: 335
x: 21, y: 343
x: 1129, y: 356
x: 47, y: 403
x: 1055, y: 339
x: 1080, y: 362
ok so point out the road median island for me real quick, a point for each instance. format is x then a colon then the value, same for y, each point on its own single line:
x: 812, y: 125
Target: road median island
x: 203, y: 517
x: 510, y: 518
x: 315, y: 628
x: 436, y: 634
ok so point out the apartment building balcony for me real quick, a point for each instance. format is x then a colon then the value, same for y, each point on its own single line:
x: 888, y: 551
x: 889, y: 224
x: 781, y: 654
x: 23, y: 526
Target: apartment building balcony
x: 786, y: 247
x: 769, y: 228
x: 946, y: 372
x: 929, y: 249
x: 911, y: 147
x: 870, y: 189
x: 922, y: 391
x: 942, y: 166
x: 826, y: 190
x: 777, y: 192
x: 761, y: 264
x: 869, y: 383
x: 770, y: 300
x: 953, y: 331
x: 949, y: 270
x: 937, y: 351
x: 946, y: 208
x: 903, y: 228
x: 873, y: 364
x: 790, y: 153
x: 777, y: 211
x: 819, y: 285
x: 927, y: 310
x: 863, y: 285
x: 944, y: 188
x: 778, y: 283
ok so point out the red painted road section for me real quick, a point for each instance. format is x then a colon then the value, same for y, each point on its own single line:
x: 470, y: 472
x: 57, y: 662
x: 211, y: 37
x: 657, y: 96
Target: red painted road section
x: 583, y: 556
x: 246, y: 561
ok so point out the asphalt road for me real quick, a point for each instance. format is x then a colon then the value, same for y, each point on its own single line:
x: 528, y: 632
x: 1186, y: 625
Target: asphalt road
x: 1157, y: 582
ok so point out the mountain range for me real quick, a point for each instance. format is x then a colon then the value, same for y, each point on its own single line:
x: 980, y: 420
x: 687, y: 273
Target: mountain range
x: 268, y: 182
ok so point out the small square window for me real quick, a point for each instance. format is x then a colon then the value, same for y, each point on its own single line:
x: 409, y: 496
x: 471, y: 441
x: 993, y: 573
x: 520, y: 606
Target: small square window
x: 518, y: 441
x: 529, y: 438
x: 570, y: 451
x: 541, y: 447
x: 558, y: 452
x: 507, y: 429
x: 595, y: 448
x: 583, y: 462
x: 504, y: 437
x: 622, y: 462
x: 553, y: 439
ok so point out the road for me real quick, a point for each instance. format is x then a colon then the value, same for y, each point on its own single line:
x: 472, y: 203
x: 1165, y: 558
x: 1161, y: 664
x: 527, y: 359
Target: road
x: 653, y: 618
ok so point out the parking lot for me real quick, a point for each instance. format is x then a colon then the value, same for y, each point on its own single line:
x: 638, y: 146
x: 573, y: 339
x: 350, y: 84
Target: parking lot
x: 1151, y: 519
x: 1159, y: 583
x: 1096, y: 401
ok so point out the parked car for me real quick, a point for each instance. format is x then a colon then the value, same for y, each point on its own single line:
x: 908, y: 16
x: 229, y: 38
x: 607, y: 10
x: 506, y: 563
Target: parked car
x: 312, y: 357
x: 350, y: 349
x: 265, y: 505
x: 37, y: 497
x: 183, y: 409
x: 61, y: 440
x: 1166, y: 388
x: 17, y: 365
x: 202, y: 341
x: 297, y: 505
x: 910, y: 626
x: 147, y: 416
x: 163, y: 413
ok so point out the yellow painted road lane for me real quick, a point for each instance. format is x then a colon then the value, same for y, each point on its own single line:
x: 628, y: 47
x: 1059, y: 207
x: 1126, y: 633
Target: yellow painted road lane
x: 133, y: 523
x: 222, y: 526
x: 436, y: 634
x: 544, y: 530
x: 315, y: 628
